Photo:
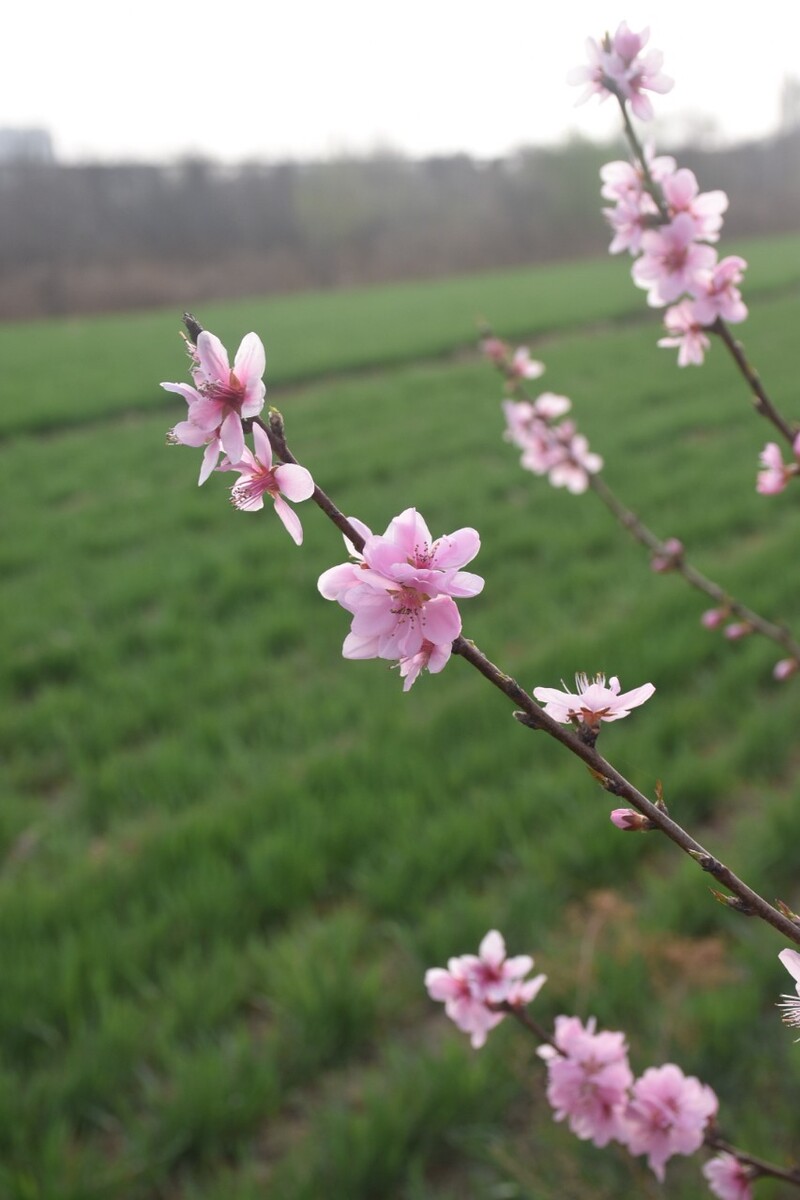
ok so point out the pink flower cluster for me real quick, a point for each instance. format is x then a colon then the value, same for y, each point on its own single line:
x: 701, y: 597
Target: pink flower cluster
x: 401, y: 591
x: 659, y: 214
x: 672, y: 242
x: 474, y: 985
x: 219, y: 399
x: 618, y: 67
x: 550, y: 446
x: 774, y: 474
x: 591, y: 1085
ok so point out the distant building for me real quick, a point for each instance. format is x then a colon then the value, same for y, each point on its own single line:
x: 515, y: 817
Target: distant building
x: 26, y: 145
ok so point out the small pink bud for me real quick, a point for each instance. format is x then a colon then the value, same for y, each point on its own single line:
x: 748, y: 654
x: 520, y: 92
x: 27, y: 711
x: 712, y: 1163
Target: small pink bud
x: 712, y: 618
x: 785, y: 668
x: 630, y: 820
x: 670, y: 558
x: 737, y: 630
x: 494, y: 349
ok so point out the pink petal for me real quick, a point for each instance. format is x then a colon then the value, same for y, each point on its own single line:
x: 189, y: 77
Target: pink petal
x: 213, y: 357
x: 232, y: 436
x: 250, y: 361
x: 442, y: 620
x: 456, y: 549
x: 359, y: 647
x: 190, y: 394
x: 294, y: 481
x: 209, y: 460
x: 791, y: 960
x: 262, y: 445
x: 493, y: 948
x: 290, y: 520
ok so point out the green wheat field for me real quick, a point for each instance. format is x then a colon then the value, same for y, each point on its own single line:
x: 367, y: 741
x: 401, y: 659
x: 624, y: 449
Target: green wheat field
x: 228, y: 855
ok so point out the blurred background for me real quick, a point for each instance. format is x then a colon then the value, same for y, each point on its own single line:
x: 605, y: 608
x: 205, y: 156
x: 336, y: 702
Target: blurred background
x: 222, y: 873
x: 278, y: 148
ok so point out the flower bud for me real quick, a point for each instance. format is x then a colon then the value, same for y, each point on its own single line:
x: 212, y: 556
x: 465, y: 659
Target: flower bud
x: 630, y: 820
x: 786, y: 667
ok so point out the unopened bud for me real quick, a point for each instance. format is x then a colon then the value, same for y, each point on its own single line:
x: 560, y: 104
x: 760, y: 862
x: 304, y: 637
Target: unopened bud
x: 785, y: 911
x: 738, y: 630
x: 630, y: 820
x: 669, y: 558
x: 785, y: 668
x: 712, y: 618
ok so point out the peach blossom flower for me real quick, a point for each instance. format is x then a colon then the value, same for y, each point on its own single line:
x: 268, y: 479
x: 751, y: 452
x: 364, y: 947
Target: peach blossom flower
x: 594, y: 702
x: 728, y: 1178
x: 258, y: 477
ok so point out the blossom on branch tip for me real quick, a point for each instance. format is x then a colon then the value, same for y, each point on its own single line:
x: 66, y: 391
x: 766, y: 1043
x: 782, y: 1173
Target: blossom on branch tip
x: 258, y: 477
x: 791, y: 1004
x: 594, y: 702
x: 617, y: 67
x: 668, y: 1114
x: 728, y: 1178
x: 473, y: 985
x: 588, y: 1078
x: 220, y: 398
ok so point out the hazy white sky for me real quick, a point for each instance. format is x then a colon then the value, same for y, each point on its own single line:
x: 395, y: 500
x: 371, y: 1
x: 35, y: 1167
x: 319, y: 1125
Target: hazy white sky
x: 234, y: 79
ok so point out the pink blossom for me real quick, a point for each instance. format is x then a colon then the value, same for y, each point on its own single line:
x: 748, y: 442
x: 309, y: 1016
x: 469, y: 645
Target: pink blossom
x: 728, y: 1178
x: 258, y: 476
x: 791, y: 1004
x: 522, y: 366
x: 716, y: 293
x: 473, y: 984
x: 686, y: 332
x: 630, y: 821
x: 220, y: 398
x: 588, y: 1078
x: 667, y: 1115
x: 577, y: 464
x: 785, y: 669
x: 682, y: 194
x: 616, y: 66
x: 435, y: 658
x: 629, y: 219
x: 773, y: 476
x: 594, y: 701
x: 670, y: 260
x: 737, y: 630
x: 400, y: 592
x: 624, y: 180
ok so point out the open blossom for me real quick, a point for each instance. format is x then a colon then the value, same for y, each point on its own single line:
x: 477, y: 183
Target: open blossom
x: 686, y: 332
x: 576, y: 465
x: 774, y: 474
x: 401, y: 592
x: 594, y: 702
x: 617, y: 66
x: 588, y: 1078
x: 728, y: 1178
x: 791, y: 1004
x: 670, y: 260
x: 682, y: 194
x: 716, y: 293
x: 522, y: 366
x: 473, y: 984
x: 668, y: 1115
x: 220, y: 398
x: 258, y: 477
x: 623, y: 180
